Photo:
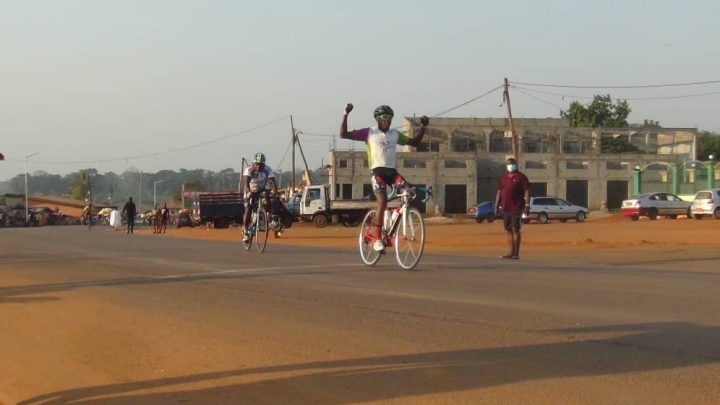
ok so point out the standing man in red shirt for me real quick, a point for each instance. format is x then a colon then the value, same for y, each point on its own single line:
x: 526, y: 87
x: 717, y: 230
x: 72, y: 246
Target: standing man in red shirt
x: 514, y: 197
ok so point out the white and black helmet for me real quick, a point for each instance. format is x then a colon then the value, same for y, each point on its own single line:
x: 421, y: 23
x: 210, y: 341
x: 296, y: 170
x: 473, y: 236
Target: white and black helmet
x: 383, y: 110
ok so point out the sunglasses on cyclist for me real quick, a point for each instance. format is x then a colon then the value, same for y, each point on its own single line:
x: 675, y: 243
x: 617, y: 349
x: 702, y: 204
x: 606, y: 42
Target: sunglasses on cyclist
x: 385, y: 117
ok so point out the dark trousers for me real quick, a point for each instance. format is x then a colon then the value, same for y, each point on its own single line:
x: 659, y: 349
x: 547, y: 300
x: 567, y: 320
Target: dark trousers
x: 130, y: 225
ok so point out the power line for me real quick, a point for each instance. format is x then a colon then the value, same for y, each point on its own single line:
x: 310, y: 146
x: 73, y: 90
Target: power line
x: 537, y: 98
x: 469, y: 101
x: 285, y: 154
x: 622, y: 98
x: 134, y: 157
x: 643, y: 86
x: 315, y: 134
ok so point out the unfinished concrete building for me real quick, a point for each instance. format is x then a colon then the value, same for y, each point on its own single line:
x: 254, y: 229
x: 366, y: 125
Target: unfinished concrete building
x: 463, y: 158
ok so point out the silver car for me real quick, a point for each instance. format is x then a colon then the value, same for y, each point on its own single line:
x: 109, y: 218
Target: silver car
x: 655, y: 205
x: 706, y: 203
x: 543, y: 209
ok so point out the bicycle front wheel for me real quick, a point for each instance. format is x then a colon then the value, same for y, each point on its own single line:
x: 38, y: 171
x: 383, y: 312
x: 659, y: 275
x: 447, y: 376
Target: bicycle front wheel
x: 247, y: 244
x: 410, y: 239
x: 368, y: 255
x: 262, y: 227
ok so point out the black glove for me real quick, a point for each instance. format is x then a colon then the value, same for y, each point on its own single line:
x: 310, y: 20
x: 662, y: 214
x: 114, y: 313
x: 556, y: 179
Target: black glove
x: 348, y: 108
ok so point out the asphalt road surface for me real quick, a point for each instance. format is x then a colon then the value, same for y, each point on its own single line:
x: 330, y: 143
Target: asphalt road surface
x: 96, y: 316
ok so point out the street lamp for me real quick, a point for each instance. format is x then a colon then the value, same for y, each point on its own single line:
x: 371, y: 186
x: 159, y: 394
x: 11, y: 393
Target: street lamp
x: 26, y: 183
x: 155, y: 183
x: 112, y: 187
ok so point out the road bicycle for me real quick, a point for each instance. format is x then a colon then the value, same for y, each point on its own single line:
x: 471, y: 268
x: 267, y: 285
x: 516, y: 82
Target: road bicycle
x: 89, y: 220
x: 259, y: 227
x: 403, y: 229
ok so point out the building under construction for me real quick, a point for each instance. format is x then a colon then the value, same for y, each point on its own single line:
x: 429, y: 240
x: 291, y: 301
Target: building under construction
x: 463, y: 158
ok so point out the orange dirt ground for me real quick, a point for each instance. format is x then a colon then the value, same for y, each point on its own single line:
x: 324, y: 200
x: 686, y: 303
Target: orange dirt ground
x: 446, y: 236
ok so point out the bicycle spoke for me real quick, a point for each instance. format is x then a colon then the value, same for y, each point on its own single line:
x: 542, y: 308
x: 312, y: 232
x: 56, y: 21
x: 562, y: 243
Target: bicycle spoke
x: 410, y: 240
x: 368, y: 255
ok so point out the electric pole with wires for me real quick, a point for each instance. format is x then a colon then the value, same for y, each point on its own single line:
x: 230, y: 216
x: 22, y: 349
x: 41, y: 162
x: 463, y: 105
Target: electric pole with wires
x: 513, y: 134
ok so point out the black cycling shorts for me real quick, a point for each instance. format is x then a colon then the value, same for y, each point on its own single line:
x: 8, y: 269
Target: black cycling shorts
x: 382, y: 176
x: 512, y: 221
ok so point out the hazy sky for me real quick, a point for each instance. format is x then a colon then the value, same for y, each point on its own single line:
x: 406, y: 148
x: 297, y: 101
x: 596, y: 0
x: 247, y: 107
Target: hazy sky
x: 96, y: 80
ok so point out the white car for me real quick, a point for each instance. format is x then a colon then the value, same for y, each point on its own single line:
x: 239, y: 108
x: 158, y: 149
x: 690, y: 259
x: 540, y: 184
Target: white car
x: 543, y: 209
x: 653, y: 205
x: 706, y: 203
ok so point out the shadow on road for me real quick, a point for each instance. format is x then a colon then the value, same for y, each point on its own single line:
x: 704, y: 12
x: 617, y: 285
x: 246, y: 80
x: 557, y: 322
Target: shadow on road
x: 17, y: 294
x: 638, y: 348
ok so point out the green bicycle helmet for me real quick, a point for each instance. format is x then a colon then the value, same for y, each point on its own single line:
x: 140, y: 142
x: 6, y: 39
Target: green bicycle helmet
x: 383, y: 110
x: 258, y: 158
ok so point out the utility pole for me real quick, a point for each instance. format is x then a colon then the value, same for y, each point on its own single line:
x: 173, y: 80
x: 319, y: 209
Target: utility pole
x: 307, y: 169
x: 292, y: 164
x: 140, y: 202
x: 155, y: 183
x: 241, y: 182
x: 26, y: 184
x: 89, y: 184
x: 506, y: 99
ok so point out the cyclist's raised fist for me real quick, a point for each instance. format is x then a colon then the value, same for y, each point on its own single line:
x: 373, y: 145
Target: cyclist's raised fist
x: 424, y: 120
x: 348, y: 108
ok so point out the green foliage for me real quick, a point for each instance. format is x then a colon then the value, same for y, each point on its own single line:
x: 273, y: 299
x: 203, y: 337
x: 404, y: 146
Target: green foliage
x: 708, y: 143
x: 619, y: 144
x: 80, y: 185
x: 194, y: 185
x: 601, y: 112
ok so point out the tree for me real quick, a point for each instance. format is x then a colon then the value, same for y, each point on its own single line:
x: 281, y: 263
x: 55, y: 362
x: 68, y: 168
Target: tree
x: 80, y: 185
x: 619, y: 144
x: 601, y: 112
x: 708, y: 143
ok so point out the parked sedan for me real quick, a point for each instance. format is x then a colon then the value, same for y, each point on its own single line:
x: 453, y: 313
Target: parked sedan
x: 653, y: 205
x: 706, y: 203
x: 544, y: 209
x: 482, y: 212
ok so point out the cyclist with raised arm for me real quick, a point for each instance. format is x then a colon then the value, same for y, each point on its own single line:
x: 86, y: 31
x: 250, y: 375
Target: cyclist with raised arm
x: 257, y: 178
x: 381, y: 143
x: 87, y: 214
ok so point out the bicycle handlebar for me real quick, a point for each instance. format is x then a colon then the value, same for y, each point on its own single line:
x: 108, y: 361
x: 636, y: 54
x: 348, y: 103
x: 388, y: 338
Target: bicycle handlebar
x: 393, y: 194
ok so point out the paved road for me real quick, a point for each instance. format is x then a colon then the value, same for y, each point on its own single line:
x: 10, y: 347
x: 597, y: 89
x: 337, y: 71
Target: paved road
x: 106, y: 317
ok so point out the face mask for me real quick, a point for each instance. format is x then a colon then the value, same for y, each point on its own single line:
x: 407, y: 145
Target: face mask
x: 511, y: 168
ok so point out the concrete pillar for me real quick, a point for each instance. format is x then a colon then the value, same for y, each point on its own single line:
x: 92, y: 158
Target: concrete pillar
x: 674, y: 179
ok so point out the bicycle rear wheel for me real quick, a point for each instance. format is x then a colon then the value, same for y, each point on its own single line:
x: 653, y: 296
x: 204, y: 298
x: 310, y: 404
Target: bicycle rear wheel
x: 262, y: 227
x: 368, y: 255
x: 410, y: 239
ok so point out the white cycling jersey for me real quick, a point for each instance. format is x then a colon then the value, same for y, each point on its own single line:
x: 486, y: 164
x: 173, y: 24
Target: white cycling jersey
x: 258, y: 178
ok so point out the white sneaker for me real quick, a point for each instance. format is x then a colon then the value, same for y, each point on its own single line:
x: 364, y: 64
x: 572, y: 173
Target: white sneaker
x: 378, y: 245
x: 246, y: 237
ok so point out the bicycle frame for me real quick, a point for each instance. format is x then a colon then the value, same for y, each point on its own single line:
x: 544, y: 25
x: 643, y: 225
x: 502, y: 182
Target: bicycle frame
x: 407, y: 196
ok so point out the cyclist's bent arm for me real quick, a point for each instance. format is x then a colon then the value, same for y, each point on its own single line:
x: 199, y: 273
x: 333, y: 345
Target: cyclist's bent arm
x: 355, y: 135
x: 273, y: 185
x: 419, y: 132
x: 247, y: 184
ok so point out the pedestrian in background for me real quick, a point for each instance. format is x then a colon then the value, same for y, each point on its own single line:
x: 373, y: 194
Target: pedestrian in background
x: 130, y: 211
x: 513, y: 196
x: 164, y: 217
